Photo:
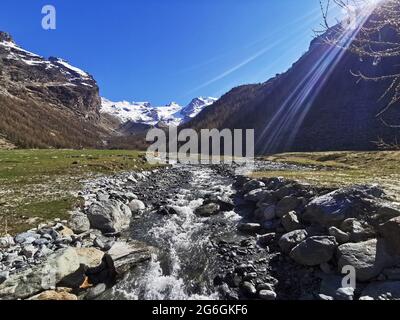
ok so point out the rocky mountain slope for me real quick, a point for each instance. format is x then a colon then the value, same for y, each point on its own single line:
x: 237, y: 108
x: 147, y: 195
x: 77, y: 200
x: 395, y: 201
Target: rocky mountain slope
x: 317, y: 105
x: 145, y: 114
x: 46, y: 102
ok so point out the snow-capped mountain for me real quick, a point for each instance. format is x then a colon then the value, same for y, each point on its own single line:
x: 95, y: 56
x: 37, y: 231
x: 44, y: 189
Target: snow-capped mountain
x: 143, y: 112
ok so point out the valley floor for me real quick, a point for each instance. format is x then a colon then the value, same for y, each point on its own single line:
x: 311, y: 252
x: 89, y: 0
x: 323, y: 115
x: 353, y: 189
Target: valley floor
x: 41, y: 185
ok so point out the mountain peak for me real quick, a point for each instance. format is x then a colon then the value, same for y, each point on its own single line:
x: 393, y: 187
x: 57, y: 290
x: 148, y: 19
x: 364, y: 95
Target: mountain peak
x: 6, y: 37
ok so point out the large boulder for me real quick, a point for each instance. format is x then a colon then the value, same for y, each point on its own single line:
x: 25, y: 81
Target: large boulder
x: 332, y: 208
x: 388, y: 290
x: 44, y: 277
x: 252, y: 185
x: 126, y: 255
x: 368, y: 258
x: 289, y: 240
x: 391, y: 232
x: 109, y: 216
x: 288, y: 204
x: 314, y: 250
x: 79, y: 222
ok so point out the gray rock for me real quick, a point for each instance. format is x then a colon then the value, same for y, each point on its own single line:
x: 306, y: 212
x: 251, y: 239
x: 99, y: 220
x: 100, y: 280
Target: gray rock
x: 389, y: 290
x: 6, y: 242
x: 340, y: 236
x: 208, y: 210
x: 289, y: 240
x: 41, y: 278
x: 368, y: 258
x: 291, y: 222
x: 126, y: 255
x: 79, y: 223
x: 252, y: 185
x: 266, y: 213
x: 286, y: 205
x: 29, y: 251
x: 391, y: 232
x: 345, y: 293
x: 267, y: 295
x: 96, y: 291
x: 26, y: 237
x: 136, y: 206
x: 4, y: 275
x: 266, y: 239
x: 248, y: 289
x: 256, y: 195
x: 357, y: 231
x: 41, y: 242
x: 392, y: 273
x: 314, y: 251
x: 251, y: 228
x: 332, y: 208
x: 109, y: 217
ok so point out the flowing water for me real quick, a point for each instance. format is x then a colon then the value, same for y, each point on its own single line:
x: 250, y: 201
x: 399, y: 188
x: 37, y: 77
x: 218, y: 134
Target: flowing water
x: 185, y: 263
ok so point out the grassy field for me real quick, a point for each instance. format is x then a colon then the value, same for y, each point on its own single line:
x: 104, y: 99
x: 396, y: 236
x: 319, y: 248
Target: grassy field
x: 40, y: 185
x: 337, y: 169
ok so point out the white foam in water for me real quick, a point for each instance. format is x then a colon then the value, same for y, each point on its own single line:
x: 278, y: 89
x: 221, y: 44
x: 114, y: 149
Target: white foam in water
x: 176, y: 233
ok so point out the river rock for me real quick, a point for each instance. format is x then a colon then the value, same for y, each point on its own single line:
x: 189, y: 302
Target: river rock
x: 266, y: 213
x: 256, y: 195
x: 95, y: 291
x: 286, y: 205
x: 392, y: 273
x: 110, y: 216
x: 208, y: 210
x: 267, y: 295
x: 79, y: 222
x: 252, y: 185
x: 54, y: 296
x: 251, y: 228
x: 4, y: 275
x: 29, y: 251
x: 248, y: 289
x: 26, y: 237
x: 44, y: 277
x: 266, y: 239
x: 340, y: 236
x: 391, y: 232
x: 314, y: 250
x: 368, y: 258
x: 126, y: 255
x: 289, y: 240
x: 357, y: 230
x: 136, y: 206
x: 6, y: 242
x: 291, y: 222
x: 90, y: 257
x: 332, y: 208
x: 388, y: 290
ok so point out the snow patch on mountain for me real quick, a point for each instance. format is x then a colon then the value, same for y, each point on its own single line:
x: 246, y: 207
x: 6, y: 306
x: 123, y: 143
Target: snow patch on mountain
x: 143, y: 112
x: 75, y: 75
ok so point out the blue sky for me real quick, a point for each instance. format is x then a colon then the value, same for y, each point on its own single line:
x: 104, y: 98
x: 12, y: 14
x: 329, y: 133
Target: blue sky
x: 168, y: 50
